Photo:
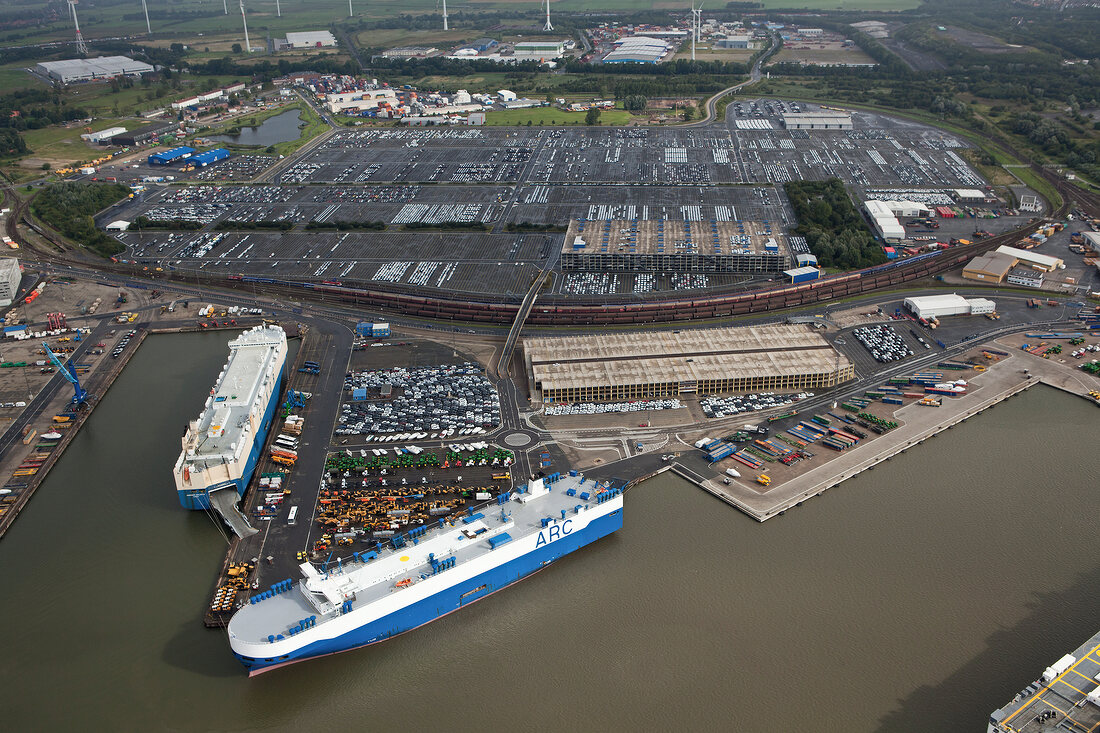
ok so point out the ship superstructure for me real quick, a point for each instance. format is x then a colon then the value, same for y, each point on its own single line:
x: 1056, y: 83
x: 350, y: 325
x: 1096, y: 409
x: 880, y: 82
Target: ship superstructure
x: 424, y: 574
x: 222, y: 446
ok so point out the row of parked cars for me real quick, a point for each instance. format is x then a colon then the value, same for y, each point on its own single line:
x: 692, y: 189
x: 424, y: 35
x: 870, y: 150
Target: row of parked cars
x: 715, y: 406
x: 884, y: 343
x: 445, y: 400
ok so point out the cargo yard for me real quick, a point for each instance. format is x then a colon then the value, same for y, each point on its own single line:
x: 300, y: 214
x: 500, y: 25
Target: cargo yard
x: 471, y: 209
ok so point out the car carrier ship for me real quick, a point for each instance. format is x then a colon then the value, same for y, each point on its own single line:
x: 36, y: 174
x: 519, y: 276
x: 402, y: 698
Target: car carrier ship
x: 222, y: 446
x: 423, y: 574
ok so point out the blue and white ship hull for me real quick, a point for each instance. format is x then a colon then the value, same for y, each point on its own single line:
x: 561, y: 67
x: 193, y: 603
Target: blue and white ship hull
x: 288, y: 625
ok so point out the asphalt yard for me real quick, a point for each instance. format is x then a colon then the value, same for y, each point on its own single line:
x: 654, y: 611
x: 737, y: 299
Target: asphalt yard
x: 473, y: 209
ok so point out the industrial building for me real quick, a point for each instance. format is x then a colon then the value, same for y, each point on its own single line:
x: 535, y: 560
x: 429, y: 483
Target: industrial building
x: 102, y: 135
x: 647, y: 245
x: 167, y: 157
x: 410, y: 52
x: 1046, y: 263
x: 883, y: 221
x: 209, y: 157
x: 310, y: 39
x: 100, y: 68
x: 625, y: 366
x: 1025, y: 276
x: 1030, y: 204
x: 992, y: 267
x: 734, y: 42
x: 823, y: 120
x: 359, y: 101
x: 143, y: 134
x: 637, y: 49
x: 537, y: 50
x: 803, y: 274
x: 968, y: 195
x: 10, y: 276
x: 938, y: 306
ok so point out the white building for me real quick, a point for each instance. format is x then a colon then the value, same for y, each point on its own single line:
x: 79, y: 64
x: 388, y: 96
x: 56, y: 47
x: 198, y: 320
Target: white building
x: 539, y: 50
x: 98, y: 137
x: 885, y: 224
x: 461, y: 97
x: 1025, y: 276
x: 907, y: 209
x: 823, y: 120
x: 1030, y: 204
x: 810, y: 32
x: 359, y: 100
x: 1045, y: 263
x: 100, y: 68
x: 10, y: 275
x: 310, y: 39
x: 506, y: 95
x: 938, y: 306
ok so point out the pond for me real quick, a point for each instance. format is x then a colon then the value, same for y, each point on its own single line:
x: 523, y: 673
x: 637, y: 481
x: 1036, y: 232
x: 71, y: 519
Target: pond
x: 278, y: 129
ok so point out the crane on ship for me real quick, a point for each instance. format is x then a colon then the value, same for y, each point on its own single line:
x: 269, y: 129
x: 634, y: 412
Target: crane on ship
x: 69, y: 372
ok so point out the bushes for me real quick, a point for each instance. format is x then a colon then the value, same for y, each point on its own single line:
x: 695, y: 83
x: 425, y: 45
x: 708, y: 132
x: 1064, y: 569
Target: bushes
x: 69, y: 207
x: 144, y: 222
x: 834, y: 229
x: 348, y: 226
x: 234, y: 225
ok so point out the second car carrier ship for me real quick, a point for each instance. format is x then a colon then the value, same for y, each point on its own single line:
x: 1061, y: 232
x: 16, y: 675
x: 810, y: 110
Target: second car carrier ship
x: 424, y: 574
x: 221, y: 447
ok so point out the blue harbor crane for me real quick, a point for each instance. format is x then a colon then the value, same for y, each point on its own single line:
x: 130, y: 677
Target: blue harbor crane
x: 69, y: 372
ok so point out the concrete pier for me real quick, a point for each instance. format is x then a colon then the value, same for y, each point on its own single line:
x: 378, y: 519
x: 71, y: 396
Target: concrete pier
x: 999, y: 382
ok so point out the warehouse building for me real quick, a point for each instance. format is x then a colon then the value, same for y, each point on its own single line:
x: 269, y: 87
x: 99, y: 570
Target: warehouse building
x: 142, y: 134
x: 734, y: 42
x: 883, y: 221
x: 1025, y: 276
x: 167, y: 157
x: 10, y: 276
x: 992, y: 267
x: 100, y: 68
x: 1030, y: 204
x: 637, y: 49
x: 538, y: 50
x: 823, y: 120
x: 310, y: 39
x: 968, y: 195
x: 625, y: 366
x: 102, y: 135
x: 938, y: 306
x: 1046, y: 263
x: 803, y: 274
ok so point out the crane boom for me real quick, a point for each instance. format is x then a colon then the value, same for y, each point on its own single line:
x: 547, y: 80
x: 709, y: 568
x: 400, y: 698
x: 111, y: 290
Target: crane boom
x: 69, y: 372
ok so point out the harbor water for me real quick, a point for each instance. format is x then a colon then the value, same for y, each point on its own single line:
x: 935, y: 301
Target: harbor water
x: 277, y: 129
x: 919, y: 596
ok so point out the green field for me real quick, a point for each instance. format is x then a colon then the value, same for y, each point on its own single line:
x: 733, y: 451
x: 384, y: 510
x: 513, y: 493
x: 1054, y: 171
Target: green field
x: 185, y: 19
x: 552, y: 116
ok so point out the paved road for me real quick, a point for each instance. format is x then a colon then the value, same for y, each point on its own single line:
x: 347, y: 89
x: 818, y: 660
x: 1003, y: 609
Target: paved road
x: 755, y: 75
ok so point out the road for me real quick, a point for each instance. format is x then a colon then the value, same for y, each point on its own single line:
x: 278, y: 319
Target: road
x: 755, y: 75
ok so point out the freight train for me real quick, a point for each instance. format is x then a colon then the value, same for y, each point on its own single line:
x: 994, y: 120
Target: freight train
x: 702, y: 306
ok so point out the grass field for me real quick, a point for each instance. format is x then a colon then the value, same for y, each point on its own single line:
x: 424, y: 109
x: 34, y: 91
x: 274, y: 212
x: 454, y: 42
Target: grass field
x: 551, y: 116
x: 185, y: 19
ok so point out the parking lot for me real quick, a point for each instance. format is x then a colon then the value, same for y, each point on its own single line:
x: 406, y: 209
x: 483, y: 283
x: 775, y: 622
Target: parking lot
x: 476, y: 209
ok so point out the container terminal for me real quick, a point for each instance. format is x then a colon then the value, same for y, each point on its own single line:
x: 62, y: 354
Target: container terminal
x: 1066, y: 697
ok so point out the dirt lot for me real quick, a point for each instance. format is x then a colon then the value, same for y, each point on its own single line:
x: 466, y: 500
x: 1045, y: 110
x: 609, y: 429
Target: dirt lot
x: 982, y: 42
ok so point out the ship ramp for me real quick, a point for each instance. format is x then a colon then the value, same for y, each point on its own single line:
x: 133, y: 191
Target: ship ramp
x: 224, y: 501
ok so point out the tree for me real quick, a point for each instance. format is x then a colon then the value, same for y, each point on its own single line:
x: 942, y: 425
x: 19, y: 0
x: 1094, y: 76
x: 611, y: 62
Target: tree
x: 236, y: 48
x: 689, y: 114
x: 592, y: 117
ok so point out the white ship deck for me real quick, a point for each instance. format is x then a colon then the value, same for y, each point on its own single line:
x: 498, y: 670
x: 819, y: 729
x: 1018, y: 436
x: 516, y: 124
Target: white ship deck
x: 255, y: 357
x: 464, y: 539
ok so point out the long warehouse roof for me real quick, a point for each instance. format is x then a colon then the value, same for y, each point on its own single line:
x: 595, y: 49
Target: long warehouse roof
x: 665, y: 356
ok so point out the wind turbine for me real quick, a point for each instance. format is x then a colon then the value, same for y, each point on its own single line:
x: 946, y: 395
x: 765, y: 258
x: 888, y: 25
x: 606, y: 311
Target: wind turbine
x: 350, y: 13
x: 81, y: 47
x: 278, y: 9
x: 145, y: 7
x: 548, y: 27
x: 248, y: 46
x: 696, y: 26
x: 225, y: 6
x: 445, y: 27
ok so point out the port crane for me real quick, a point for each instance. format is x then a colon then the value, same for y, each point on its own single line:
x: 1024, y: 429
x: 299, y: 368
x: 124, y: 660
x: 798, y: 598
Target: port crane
x: 69, y: 372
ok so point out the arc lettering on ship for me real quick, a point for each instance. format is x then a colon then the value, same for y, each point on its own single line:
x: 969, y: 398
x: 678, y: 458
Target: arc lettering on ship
x: 554, y: 532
